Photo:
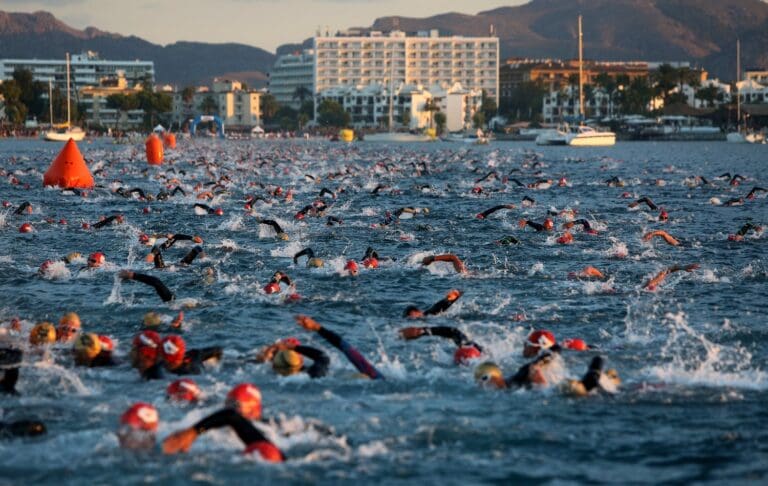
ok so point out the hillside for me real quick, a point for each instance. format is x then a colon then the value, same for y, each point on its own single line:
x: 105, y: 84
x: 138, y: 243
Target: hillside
x: 40, y: 35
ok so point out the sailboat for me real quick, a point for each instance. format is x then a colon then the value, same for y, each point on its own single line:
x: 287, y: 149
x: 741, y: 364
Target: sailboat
x: 64, y: 132
x: 393, y: 136
x: 742, y: 134
x: 582, y: 135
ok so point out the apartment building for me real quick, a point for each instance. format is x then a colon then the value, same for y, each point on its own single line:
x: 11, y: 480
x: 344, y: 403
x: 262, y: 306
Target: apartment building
x: 86, y: 69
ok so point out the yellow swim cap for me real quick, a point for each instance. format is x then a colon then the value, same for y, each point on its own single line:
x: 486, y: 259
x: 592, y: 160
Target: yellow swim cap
x: 287, y: 362
x: 87, y: 346
x: 488, y: 374
x: 152, y: 319
x: 315, y: 262
x: 42, y: 333
x: 70, y: 319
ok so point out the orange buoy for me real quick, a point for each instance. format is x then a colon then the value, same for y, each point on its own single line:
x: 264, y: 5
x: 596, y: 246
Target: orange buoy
x: 68, y: 169
x: 169, y: 140
x: 154, y: 150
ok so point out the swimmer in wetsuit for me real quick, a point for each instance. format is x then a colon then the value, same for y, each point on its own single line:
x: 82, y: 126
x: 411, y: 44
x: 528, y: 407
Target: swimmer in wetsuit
x: 458, y: 265
x: 466, y: 349
x: 162, y: 291
x: 492, y: 210
x: 278, y: 230
x: 10, y: 360
x: 592, y: 380
x: 413, y: 312
x: 547, y: 225
x: 114, y: 219
x: 659, y: 278
x: 645, y: 200
x: 352, y: 354
x: 739, y: 236
x: 93, y: 351
x: 253, y: 439
x: 287, y: 358
x: 180, y: 361
x: 662, y: 234
x: 584, y: 225
x: 312, y: 260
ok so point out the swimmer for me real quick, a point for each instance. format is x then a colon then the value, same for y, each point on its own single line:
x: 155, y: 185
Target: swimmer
x: 593, y: 379
x: 254, y: 440
x: 92, y: 350
x: 145, y: 355
x: 466, y: 349
x: 645, y: 200
x: 96, y: 260
x: 352, y: 354
x: 492, y: 210
x: 547, y: 225
x: 181, y: 361
x: 662, y: 234
x: 22, y: 428
x: 527, y: 376
x: 653, y: 283
x: 10, y: 360
x: 114, y: 219
x: 183, y: 390
x: 413, y: 312
x: 287, y: 358
x: 739, y: 236
x: 409, y: 212
x: 162, y: 291
x: 273, y: 287
x: 202, y: 209
x: 23, y: 208
x: 312, y: 260
x: 542, y: 340
x: 508, y: 240
x: 69, y: 326
x: 371, y: 258
x: 458, y: 265
x: 588, y: 272
x: 586, y: 227
x: 754, y: 191
x: 278, y: 230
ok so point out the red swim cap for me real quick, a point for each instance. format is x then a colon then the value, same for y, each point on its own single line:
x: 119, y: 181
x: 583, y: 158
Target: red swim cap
x: 106, y: 343
x: 245, y: 398
x: 141, y: 416
x: 371, y: 262
x: 542, y: 339
x: 173, y: 350
x: 183, y: 390
x: 25, y: 228
x: 549, y: 225
x: 219, y: 212
x: 96, y: 259
x: 465, y: 354
x: 576, y: 344
x: 272, y: 288
x: 352, y: 267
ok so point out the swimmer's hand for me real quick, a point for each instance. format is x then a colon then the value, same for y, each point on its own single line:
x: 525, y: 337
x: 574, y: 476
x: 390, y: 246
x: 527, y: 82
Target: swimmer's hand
x: 408, y: 333
x: 452, y: 295
x: 125, y: 274
x: 307, y: 323
x: 197, y: 240
x: 176, y: 324
x: 179, y: 441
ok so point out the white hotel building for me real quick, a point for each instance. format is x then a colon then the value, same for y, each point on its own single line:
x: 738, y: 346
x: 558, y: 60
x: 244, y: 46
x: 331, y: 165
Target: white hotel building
x: 363, y: 61
x: 86, y: 69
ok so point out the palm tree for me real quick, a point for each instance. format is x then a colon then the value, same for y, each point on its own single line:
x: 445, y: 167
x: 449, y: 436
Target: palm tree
x: 431, y: 106
x: 208, y: 105
x: 301, y: 93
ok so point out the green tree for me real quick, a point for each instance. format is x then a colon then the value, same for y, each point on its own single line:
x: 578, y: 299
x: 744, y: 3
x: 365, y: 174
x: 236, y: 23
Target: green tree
x: 431, y: 107
x: 405, y: 118
x: 440, y: 120
x: 301, y: 93
x: 188, y: 94
x: 665, y: 79
x: 287, y: 118
x: 488, y: 106
x: 208, y: 105
x: 269, y: 107
x: 525, y: 101
x: 332, y: 114
x: 478, y: 119
x: 15, y: 109
x: 122, y: 103
x: 708, y: 95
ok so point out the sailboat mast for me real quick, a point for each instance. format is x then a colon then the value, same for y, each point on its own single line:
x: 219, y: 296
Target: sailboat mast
x: 50, y: 102
x: 581, y: 74
x: 391, y: 86
x: 69, y: 122
x: 738, y: 78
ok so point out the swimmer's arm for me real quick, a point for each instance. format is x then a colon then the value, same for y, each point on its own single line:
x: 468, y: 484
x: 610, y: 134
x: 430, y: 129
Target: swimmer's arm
x: 320, y: 360
x: 444, y: 304
x: 165, y: 294
x: 8, y: 383
x: 190, y: 257
x: 352, y: 354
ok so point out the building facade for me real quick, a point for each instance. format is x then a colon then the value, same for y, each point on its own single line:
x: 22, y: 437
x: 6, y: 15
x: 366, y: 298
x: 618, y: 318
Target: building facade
x: 394, y: 59
x: 237, y: 108
x: 369, y: 106
x: 292, y: 72
x: 97, y: 108
x: 86, y: 69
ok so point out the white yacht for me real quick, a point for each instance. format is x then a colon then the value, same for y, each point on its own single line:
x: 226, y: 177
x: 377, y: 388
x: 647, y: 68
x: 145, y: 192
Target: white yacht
x: 585, y: 136
x: 63, y: 132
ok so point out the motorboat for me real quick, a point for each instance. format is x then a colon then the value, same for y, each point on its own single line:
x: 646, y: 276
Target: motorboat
x: 586, y: 136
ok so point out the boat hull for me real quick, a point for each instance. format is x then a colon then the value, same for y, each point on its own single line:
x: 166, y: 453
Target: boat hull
x: 52, y: 136
x: 397, y: 137
x: 599, y: 139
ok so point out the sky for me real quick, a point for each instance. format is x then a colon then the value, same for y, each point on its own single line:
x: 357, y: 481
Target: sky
x: 261, y: 23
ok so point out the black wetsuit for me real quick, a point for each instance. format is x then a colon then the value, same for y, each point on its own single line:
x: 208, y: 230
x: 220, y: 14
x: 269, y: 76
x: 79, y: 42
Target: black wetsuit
x: 320, y: 361
x: 10, y: 359
x: 105, y: 222
x: 248, y: 434
x: 194, y: 359
x: 439, y: 307
x: 21, y: 428
x: 458, y: 337
x: 522, y: 379
x: 104, y: 358
x: 165, y: 294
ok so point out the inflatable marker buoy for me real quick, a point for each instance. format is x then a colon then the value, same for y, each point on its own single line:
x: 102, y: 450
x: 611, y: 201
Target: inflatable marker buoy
x: 154, y: 150
x: 169, y: 140
x: 68, y: 169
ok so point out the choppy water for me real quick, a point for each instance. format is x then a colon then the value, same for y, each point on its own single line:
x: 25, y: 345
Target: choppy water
x: 692, y: 355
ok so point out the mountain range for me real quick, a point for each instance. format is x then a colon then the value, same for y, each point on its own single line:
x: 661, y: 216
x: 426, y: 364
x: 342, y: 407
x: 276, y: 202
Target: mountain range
x: 702, y: 32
